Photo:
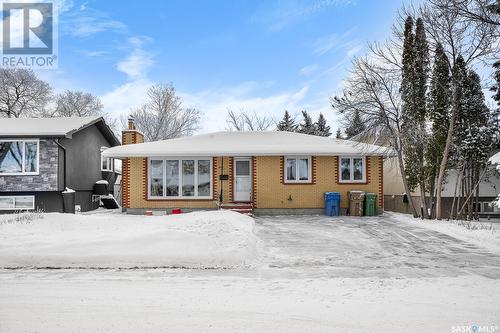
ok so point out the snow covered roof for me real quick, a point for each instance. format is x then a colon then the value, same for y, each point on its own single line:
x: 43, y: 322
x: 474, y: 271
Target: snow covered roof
x: 52, y: 127
x: 246, y: 144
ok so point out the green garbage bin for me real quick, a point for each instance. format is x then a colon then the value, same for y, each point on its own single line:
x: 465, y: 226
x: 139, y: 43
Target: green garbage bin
x: 370, y: 204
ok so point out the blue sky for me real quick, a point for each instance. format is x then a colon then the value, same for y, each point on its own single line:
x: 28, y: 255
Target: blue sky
x: 263, y: 56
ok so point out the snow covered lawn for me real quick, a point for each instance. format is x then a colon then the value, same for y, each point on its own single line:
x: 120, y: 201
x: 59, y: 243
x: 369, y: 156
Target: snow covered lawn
x: 313, y: 274
x: 216, y: 239
x: 482, y: 234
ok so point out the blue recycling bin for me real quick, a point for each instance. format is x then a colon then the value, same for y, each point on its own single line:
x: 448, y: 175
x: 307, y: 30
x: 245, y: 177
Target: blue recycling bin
x: 332, y: 203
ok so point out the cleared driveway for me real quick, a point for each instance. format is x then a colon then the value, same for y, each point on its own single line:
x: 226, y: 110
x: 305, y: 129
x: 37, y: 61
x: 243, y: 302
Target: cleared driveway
x: 319, y: 246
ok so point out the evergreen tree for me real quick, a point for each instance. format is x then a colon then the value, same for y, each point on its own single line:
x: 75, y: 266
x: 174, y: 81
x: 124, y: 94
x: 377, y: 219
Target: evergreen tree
x: 322, y: 129
x: 338, y: 135
x: 413, y: 94
x: 356, y: 126
x: 438, y: 108
x: 307, y: 126
x: 474, y: 140
x: 287, y: 123
x: 496, y: 85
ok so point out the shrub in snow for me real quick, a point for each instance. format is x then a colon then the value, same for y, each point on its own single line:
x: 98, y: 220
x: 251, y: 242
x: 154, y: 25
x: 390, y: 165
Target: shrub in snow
x: 24, y: 217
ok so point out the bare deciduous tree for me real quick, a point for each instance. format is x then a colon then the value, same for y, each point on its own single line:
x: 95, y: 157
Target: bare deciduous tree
x: 483, y: 11
x: 245, y: 121
x: 163, y: 116
x: 77, y: 104
x: 372, y: 90
x: 22, y: 93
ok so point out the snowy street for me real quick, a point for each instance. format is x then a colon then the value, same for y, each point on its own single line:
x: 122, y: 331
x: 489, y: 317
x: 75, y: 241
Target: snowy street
x: 315, y: 274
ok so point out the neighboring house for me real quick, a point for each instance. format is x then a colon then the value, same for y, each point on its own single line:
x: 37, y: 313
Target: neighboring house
x: 40, y: 157
x: 270, y: 172
x: 489, y: 189
x: 394, y: 194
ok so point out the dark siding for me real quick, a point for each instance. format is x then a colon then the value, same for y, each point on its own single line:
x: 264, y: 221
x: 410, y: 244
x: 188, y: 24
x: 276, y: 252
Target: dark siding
x: 83, y: 167
x: 45, y: 201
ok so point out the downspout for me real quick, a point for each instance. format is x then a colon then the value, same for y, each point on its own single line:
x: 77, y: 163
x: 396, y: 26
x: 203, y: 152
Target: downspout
x: 64, y: 161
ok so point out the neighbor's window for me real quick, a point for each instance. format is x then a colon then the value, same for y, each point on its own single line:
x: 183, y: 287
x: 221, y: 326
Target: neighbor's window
x: 107, y: 163
x: 181, y: 178
x: 17, y: 202
x: 352, y: 169
x: 298, y: 169
x: 19, y: 157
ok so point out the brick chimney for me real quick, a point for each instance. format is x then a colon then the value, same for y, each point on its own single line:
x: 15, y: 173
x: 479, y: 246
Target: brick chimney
x: 131, y: 134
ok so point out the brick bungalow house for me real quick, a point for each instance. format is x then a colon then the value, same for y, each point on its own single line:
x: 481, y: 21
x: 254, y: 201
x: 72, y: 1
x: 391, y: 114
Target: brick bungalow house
x: 269, y: 172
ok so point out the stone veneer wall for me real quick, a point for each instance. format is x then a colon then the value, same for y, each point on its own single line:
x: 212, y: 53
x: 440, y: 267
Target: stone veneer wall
x: 46, y: 180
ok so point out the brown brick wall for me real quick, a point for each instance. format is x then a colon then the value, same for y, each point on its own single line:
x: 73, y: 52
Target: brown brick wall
x: 269, y: 191
x: 273, y: 193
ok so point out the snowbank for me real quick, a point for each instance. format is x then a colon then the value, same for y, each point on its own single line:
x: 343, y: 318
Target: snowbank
x: 489, y: 239
x: 195, y: 240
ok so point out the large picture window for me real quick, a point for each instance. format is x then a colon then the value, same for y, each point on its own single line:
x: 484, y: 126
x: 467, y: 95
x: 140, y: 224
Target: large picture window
x: 298, y: 169
x: 180, y: 178
x: 352, y: 170
x: 19, y: 157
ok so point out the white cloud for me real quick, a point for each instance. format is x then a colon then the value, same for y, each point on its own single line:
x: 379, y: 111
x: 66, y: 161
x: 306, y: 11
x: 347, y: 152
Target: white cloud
x: 139, y: 61
x: 214, y: 103
x: 309, y: 69
x: 335, y: 41
x: 132, y: 93
x: 125, y: 97
x: 279, y: 15
x: 88, y: 21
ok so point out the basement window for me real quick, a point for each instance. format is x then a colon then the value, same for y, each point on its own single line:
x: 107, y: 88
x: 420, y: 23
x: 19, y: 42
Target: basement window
x: 19, y: 202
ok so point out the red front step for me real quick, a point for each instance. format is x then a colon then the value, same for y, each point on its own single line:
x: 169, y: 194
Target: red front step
x: 242, y: 208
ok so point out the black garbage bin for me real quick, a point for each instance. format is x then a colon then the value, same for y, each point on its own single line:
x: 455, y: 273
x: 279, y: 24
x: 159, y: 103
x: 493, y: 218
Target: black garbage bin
x: 69, y: 201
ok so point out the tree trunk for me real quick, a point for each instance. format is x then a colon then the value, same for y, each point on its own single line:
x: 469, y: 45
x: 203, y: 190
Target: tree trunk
x: 446, y: 152
x: 423, y: 202
x: 476, y: 186
x: 458, y: 182
x: 405, y: 183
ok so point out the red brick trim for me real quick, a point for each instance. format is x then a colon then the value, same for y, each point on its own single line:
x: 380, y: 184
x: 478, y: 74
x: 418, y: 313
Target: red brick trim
x: 282, y: 170
x: 314, y: 171
x: 337, y: 170
x: 254, y: 182
x: 126, y: 183
x: 145, y: 178
x: 230, y: 179
x: 381, y: 182
x: 215, y: 178
x: 368, y: 169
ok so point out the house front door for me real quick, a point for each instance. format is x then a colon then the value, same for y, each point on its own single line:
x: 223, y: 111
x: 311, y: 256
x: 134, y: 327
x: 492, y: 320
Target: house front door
x: 242, y: 185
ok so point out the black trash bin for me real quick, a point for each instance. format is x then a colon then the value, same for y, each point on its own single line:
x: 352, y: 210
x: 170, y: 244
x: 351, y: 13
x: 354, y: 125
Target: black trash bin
x: 68, y: 201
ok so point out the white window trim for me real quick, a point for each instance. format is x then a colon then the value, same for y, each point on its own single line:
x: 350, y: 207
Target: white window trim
x: 180, y: 196
x: 297, y: 171
x: 351, y: 168
x: 18, y: 196
x: 23, y: 173
x: 109, y: 162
